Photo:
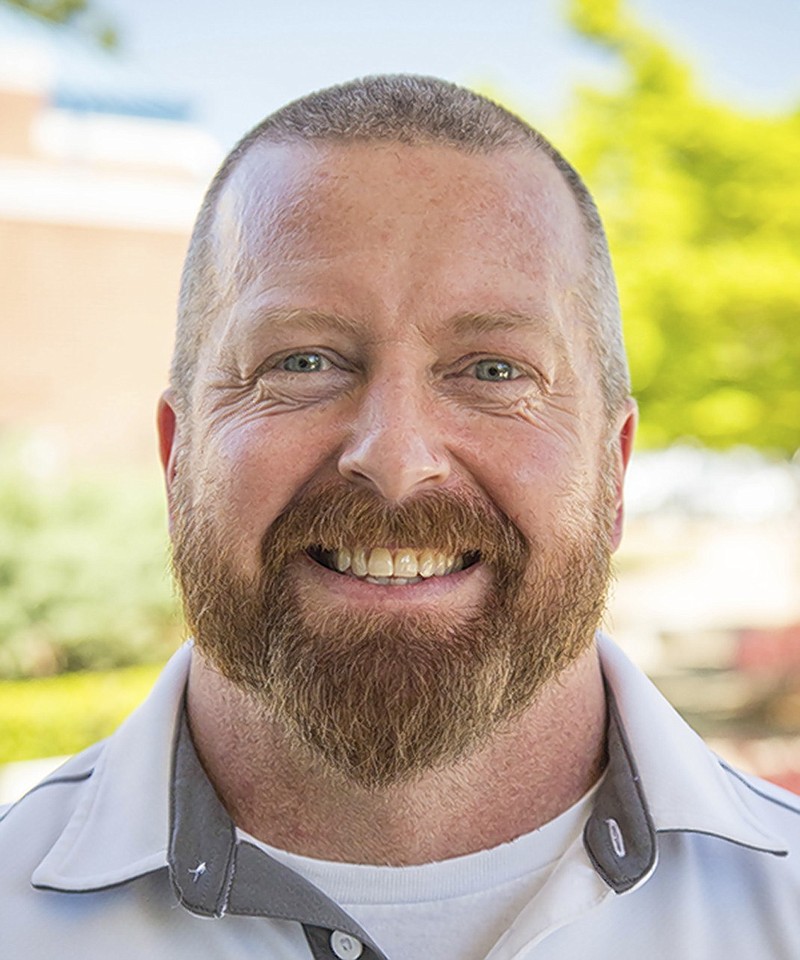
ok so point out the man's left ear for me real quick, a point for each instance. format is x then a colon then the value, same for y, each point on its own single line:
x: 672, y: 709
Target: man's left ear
x: 621, y: 449
x: 167, y: 423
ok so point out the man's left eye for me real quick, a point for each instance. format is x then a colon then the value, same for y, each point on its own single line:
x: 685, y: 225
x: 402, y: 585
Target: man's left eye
x: 495, y: 370
x: 304, y: 363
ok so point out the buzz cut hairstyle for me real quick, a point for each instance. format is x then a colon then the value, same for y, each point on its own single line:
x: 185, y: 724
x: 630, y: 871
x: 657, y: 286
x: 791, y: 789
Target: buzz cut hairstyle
x: 412, y: 110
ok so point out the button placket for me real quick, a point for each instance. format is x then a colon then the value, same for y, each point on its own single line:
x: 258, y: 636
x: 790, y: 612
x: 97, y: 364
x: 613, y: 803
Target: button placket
x: 328, y: 943
x: 345, y: 946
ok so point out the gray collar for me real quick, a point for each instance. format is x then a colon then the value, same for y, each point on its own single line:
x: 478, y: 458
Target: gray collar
x: 619, y: 835
x: 214, y: 873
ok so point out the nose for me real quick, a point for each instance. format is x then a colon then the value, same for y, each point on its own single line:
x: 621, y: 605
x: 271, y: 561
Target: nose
x: 394, y: 448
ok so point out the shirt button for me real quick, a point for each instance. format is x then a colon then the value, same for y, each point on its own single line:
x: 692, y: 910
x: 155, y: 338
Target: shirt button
x: 346, y: 947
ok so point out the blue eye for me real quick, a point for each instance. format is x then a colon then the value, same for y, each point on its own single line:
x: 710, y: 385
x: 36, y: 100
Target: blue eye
x: 304, y: 363
x: 494, y: 370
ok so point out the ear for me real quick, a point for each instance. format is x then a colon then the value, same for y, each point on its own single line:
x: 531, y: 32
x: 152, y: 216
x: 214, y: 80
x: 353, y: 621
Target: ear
x: 621, y: 449
x: 167, y: 423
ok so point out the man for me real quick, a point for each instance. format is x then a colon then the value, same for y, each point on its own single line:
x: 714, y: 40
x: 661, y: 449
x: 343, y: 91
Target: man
x: 394, y: 447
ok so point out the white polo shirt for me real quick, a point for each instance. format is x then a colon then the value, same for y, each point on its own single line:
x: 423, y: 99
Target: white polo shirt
x: 126, y: 852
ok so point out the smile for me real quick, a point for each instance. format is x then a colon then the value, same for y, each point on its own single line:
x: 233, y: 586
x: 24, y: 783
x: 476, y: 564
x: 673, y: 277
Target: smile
x: 386, y: 567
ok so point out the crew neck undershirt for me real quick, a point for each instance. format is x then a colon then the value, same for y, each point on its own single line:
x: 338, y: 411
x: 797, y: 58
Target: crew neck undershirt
x: 453, y: 909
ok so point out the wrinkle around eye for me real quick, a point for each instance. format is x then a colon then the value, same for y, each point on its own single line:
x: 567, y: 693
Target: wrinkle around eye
x: 552, y: 414
x: 279, y: 391
x: 493, y: 396
x: 223, y: 396
x: 244, y: 401
x: 526, y: 378
x: 275, y: 398
x: 555, y: 416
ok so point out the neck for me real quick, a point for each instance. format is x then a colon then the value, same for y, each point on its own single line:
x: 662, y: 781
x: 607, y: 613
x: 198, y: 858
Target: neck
x: 524, y: 776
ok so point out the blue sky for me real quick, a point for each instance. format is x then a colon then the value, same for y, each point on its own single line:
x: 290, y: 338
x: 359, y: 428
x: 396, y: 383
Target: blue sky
x: 237, y: 60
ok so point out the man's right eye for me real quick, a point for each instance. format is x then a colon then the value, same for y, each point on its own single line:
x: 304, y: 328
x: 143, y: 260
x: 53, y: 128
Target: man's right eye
x: 304, y: 363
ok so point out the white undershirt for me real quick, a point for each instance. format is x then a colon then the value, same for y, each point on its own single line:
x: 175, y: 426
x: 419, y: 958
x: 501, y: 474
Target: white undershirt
x: 453, y: 909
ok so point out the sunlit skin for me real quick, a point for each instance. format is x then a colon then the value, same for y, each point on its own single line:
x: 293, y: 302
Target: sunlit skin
x: 401, y: 318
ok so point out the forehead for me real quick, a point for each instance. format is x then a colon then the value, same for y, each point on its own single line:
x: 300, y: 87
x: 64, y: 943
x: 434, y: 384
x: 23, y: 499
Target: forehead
x: 399, y: 239
x: 511, y: 208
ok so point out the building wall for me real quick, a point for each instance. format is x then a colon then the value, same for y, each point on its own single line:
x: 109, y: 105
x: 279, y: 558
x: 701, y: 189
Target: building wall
x: 88, y: 317
x: 95, y: 215
x: 19, y: 110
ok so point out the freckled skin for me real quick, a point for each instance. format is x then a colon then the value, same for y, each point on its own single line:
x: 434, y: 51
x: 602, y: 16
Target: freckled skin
x: 378, y: 259
x: 399, y: 241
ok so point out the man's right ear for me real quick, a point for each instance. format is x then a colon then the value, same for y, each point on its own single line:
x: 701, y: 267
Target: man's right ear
x: 167, y: 422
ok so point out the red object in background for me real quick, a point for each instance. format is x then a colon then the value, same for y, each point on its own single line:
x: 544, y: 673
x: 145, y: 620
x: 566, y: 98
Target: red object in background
x: 769, y: 649
x: 788, y: 779
x: 776, y: 759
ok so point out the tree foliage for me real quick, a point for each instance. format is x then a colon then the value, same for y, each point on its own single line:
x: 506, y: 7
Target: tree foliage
x: 73, y: 12
x: 58, y: 11
x: 702, y: 206
x: 83, y: 571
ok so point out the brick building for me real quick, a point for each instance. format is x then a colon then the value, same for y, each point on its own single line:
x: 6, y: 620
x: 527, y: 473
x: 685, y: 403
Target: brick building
x: 100, y: 178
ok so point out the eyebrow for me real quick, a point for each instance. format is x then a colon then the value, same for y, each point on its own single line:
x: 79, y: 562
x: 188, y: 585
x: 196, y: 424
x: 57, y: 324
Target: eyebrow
x: 314, y: 321
x: 462, y: 324
x: 504, y: 320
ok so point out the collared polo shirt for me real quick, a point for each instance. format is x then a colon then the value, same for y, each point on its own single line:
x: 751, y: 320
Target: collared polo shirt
x: 126, y: 852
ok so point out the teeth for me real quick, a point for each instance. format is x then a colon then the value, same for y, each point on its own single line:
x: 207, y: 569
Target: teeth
x: 359, y: 563
x: 381, y: 565
x: 426, y: 563
x: 405, y: 563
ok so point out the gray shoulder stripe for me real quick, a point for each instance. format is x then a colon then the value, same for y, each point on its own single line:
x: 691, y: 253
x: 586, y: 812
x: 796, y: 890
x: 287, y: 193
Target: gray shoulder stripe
x: 74, y: 778
x: 108, y: 886
x: 759, y: 793
x: 725, y: 837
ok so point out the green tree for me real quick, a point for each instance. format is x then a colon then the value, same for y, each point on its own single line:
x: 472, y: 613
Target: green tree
x: 59, y: 11
x: 702, y: 206
x: 84, y: 578
x: 73, y: 12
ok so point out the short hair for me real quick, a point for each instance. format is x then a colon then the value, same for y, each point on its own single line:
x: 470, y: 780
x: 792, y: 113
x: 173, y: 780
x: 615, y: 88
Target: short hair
x: 411, y: 110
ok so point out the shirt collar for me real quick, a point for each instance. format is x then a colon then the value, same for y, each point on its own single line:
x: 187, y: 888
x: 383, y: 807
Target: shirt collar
x: 660, y: 777
x: 684, y: 786
x: 120, y: 826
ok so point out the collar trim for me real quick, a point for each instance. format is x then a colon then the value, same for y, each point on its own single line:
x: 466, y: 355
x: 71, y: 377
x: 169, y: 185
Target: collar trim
x: 214, y: 874
x: 619, y: 836
x: 675, y: 785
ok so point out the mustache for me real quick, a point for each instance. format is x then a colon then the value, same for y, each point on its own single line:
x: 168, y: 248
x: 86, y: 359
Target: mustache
x: 334, y: 516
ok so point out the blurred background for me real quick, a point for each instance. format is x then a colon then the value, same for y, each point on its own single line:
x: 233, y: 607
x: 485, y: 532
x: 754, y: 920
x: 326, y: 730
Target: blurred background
x: 683, y: 118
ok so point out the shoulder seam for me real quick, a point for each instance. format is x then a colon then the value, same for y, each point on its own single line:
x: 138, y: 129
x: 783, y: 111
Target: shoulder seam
x: 73, y: 778
x: 744, y: 779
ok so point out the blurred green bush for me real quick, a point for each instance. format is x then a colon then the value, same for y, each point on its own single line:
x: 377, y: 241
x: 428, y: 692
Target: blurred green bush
x: 701, y: 201
x: 84, y: 581
x: 62, y: 715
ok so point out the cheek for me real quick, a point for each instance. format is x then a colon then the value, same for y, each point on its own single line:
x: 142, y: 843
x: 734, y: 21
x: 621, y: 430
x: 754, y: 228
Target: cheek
x: 536, y: 476
x: 253, y: 470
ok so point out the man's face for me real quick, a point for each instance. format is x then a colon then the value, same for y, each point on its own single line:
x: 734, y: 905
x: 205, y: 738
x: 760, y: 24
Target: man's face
x: 394, y: 504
